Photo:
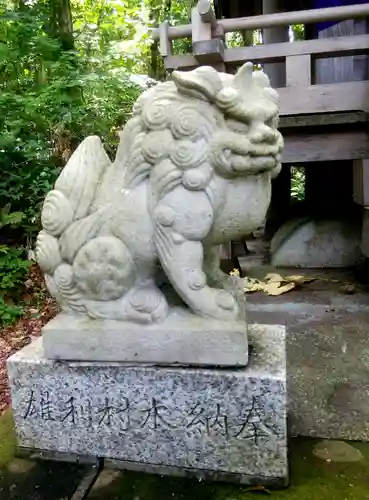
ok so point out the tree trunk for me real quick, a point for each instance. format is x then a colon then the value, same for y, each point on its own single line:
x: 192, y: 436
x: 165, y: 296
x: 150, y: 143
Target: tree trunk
x: 61, y: 25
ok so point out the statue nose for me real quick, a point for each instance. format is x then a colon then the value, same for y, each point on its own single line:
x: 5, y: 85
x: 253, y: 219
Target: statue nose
x: 262, y: 133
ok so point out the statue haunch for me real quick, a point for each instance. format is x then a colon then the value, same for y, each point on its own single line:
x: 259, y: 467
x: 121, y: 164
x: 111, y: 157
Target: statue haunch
x: 193, y: 170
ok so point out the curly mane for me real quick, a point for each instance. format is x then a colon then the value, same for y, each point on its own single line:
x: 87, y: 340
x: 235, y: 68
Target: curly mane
x: 166, y: 140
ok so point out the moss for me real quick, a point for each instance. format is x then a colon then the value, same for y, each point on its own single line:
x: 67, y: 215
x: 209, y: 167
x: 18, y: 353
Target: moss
x: 311, y: 478
x: 32, y: 480
x: 7, y: 438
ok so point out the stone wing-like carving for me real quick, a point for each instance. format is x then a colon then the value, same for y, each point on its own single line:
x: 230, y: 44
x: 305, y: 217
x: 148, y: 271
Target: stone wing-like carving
x: 193, y: 170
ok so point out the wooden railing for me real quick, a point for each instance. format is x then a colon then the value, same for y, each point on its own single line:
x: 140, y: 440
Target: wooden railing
x: 269, y: 20
x: 300, y: 94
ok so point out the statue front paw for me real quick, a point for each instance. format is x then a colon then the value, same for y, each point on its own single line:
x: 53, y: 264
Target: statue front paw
x: 144, y: 304
x: 218, y: 304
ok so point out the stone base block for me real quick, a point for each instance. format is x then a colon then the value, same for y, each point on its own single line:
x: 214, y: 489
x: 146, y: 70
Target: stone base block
x: 220, y: 424
x: 183, y: 339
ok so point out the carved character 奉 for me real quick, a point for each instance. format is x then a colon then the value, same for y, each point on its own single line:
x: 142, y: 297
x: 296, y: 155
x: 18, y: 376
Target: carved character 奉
x: 193, y: 170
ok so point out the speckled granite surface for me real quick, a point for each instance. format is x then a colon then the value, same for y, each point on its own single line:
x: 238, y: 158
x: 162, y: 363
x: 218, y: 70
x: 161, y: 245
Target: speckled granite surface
x: 230, y: 424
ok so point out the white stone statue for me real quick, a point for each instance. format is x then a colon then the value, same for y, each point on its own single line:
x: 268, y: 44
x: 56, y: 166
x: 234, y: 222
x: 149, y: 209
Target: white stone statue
x: 193, y: 170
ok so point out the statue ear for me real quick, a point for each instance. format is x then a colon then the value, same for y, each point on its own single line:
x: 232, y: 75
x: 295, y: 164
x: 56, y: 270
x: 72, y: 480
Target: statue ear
x: 204, y: 81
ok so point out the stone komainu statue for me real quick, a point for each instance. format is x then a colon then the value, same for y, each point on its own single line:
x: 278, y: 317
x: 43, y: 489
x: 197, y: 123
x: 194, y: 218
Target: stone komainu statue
x: 193, y: 170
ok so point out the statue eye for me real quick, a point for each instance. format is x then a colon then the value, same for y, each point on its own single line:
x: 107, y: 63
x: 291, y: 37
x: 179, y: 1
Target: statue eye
x: 237, y: 126
x: 271, y: 122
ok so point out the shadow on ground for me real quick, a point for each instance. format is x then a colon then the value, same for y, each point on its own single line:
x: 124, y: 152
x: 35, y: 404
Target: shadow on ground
x: 22, y: 479
x: 311, y: 479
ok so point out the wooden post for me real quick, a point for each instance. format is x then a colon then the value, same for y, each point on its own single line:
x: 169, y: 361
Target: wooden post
x: 281, y: 186
x: 361, y: 182
x: 275, y: 71
x: 165, y: 45
x: 298, y: 70
x: 207, y: 47
x: 280, y: 201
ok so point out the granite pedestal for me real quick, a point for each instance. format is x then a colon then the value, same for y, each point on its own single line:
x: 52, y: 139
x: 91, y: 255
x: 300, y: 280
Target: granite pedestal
x: 222, y: 424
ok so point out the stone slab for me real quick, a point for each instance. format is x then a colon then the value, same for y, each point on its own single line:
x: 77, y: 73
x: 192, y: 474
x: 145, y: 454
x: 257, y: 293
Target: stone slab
x: 183, y: 339
x: 221, y: 423
x: 327, y: 354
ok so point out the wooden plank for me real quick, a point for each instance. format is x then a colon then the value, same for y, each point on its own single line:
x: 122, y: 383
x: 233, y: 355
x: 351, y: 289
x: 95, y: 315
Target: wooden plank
x: 323, y: 119
x: 165, y: 45
x: 323, y: 47
x: 325, y: 147
x: 329, y: 47
x: 186, y: 62
x: 298, y: 70
x: 343, y: 68
x: 209, y: 52
x: 310, y: 16
x: 351, y: 96
x: 361, y: 182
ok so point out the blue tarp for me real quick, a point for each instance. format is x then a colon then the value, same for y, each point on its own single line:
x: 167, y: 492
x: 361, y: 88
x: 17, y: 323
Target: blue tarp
x: 323, y: 4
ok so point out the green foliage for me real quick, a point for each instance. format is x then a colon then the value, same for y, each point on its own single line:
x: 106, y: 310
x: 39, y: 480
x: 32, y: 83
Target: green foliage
x: 298, y: 31
x: 9, y: 313
x: 65, y: 69
x: 13, y: 269
x: 51, y: 99
x: 298, y: 183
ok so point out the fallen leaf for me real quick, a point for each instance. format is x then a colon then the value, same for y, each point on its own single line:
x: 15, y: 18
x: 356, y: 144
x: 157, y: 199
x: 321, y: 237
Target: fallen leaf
x: 299, y: 280
x: 348, y: 289
x: 275, y: 289
x: 235, y: 272
x: 253, y: 285
x: 273, y: 278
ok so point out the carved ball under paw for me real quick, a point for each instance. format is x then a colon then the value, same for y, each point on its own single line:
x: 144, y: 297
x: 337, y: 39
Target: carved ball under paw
x: 104, y: 269
x: 66, y: 290
x: 64, y: 278
x: 151, y: 304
